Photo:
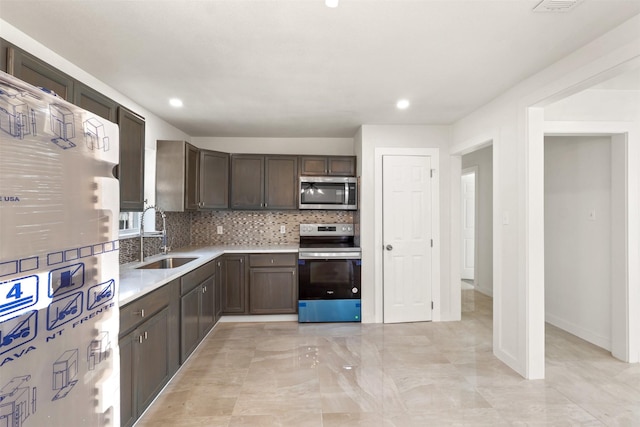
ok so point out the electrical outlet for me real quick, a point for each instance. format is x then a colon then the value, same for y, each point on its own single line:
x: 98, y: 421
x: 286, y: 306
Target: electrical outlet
x: 219, y: 229
x: 283, y: 229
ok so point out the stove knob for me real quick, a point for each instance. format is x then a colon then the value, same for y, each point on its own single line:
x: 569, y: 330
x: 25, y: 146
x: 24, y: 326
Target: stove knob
x: 344, y: 228
x: 354, y: 290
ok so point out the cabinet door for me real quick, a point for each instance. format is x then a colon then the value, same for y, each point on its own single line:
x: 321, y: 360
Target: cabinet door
x: 191, y: 190
x: 153, y: 361
x: 38, y: 73
x: 247, y: 181
x: 281, y: 182
x: 189, y: 322
x: 234, y: 284
x: 214, y: 180
x: 273, y: 290
x: 127, y: 405
x: 207, y: 305
x: 313, y: 165
x: 131, y: 168
x: 218, y: 294
x: 94, y: 101
x: 342, y: 166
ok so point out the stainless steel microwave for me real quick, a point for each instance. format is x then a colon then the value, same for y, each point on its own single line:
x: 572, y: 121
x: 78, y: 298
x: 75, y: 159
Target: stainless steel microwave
x: 327, y: 192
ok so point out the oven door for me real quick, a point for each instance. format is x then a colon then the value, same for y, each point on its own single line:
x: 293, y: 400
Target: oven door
x: 328, y: 278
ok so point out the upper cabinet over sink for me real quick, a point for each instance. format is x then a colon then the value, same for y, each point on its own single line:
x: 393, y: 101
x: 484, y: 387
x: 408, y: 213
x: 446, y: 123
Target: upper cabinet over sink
x: 188, y: 178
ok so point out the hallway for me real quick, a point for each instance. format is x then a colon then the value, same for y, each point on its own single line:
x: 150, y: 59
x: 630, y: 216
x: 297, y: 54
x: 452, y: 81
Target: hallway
x: 417, y: 374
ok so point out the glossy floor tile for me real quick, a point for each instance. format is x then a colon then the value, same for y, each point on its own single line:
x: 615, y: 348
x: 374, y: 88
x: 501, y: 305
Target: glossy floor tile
x: 415, y: 374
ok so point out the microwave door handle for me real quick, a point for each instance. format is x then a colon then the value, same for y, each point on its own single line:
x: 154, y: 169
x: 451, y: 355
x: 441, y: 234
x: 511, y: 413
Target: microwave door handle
x: 346, y: 193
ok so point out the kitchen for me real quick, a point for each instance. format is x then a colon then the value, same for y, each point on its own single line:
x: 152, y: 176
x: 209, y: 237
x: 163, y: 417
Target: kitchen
x: 362, y: 145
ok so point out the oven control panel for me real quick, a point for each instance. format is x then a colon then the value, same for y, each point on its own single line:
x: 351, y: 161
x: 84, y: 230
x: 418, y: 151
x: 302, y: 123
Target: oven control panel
x: 326, y: 230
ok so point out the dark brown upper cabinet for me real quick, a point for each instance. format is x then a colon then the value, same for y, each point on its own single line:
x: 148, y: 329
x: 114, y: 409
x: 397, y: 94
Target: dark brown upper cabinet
x: 177, y: 168
x: 263, y: 182
x: 327, y: 166
x: 188, y: 178
x: 94, y: 101
x: 247, y: 181
x: 131, y: 168
x: 38, y: 73
x: 214, y: 180
x: 191, y: 177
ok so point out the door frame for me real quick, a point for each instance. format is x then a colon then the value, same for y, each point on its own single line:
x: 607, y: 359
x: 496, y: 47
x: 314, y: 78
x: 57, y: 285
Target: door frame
x: 436, y: 296
x: 468, y: 171
x: 625, y: 272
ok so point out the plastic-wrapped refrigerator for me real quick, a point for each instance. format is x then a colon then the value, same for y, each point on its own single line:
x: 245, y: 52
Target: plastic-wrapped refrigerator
x: 59, y: 205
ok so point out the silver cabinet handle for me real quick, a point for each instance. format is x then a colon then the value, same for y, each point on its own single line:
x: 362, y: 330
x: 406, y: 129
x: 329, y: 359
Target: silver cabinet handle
x: 140, y: 313
x: 389, y: 247
x: 145, y: 335
x: 140, y: 339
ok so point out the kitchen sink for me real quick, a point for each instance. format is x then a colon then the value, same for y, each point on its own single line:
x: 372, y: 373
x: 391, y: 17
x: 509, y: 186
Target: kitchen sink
x: 166, y: 263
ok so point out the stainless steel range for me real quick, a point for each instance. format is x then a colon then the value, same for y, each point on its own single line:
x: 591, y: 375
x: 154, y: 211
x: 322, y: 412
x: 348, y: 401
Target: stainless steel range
x: 329, y: 266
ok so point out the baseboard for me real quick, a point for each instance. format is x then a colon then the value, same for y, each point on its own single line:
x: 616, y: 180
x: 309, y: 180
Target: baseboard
x: 487, y: 292
x: 578, y: 331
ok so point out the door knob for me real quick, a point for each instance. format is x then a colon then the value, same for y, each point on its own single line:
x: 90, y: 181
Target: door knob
x: 389, y: 247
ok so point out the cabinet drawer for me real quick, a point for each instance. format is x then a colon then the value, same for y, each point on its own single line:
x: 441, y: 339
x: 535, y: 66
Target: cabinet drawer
x: 197, y: 276
x: 134, y: 313
x: 273, y: 260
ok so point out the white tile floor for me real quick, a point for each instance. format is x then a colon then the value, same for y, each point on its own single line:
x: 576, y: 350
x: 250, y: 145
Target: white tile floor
x: 416, y: 374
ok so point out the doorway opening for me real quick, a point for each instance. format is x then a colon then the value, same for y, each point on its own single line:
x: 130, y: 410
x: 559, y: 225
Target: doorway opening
x: 476, y: 226
x: 578, y: 209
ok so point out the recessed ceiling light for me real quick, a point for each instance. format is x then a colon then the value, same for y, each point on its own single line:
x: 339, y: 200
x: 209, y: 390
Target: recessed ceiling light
x: 331, y: 3
x: 402, y: 104
x: 175, y: 102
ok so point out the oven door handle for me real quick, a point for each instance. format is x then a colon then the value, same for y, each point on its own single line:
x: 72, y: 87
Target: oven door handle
x: 329, y: 255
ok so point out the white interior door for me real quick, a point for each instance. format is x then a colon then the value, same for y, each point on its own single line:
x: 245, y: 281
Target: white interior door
x: 468, y: 225
x: 407, y: 234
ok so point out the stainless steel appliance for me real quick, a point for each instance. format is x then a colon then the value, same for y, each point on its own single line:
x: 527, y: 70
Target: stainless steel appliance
x: 59, y: 269
x: 327, y: 192
x: 329, y: 265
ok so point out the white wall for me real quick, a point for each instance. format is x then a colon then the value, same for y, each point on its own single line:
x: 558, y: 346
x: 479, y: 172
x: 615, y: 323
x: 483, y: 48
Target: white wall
x: 517, y: 132
x: 597, y: 105
x: 367, y: 140
x: 578, y: 207
x: 155, y: 128
x: 483, y: 159
x: 307, y: 146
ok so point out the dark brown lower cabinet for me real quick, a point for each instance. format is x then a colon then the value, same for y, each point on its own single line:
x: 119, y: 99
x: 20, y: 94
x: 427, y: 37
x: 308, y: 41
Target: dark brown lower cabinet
x: 148, y: 349
x: 270, y: 287
x: 197, y: 307
x: 273, y: 290
x: 234, y: 284
x: 218, y: 296
x: 144, y: 366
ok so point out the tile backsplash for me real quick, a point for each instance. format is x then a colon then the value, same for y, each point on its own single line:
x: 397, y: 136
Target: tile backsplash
x: 178, y: 236
x: 238, y: 228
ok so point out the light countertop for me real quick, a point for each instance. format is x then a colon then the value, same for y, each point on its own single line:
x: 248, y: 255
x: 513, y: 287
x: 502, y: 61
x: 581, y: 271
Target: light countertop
x: 135, y: 283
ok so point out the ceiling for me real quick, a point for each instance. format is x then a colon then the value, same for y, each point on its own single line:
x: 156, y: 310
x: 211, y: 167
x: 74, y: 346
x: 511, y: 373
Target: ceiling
x: 295, y: 68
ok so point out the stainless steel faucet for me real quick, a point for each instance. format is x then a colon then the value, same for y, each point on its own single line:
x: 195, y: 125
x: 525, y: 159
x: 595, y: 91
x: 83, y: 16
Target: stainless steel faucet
x: 163, y: 234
